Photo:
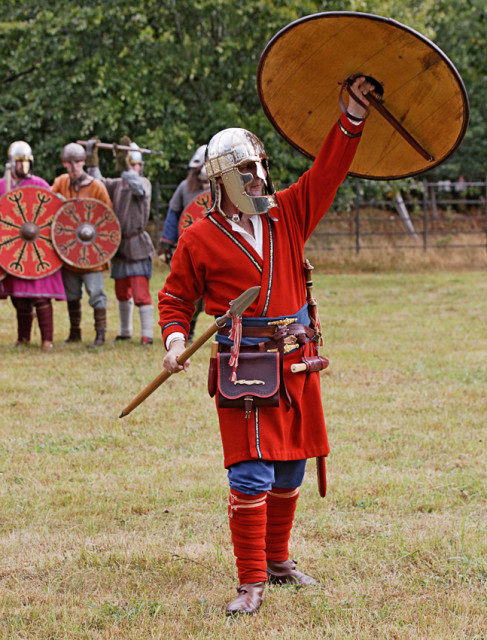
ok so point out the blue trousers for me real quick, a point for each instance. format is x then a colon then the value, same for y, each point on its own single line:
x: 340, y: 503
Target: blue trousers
x: 256, y: 476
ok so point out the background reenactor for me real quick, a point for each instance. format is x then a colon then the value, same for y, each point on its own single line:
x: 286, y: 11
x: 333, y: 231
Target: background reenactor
x: 131, y: 267
x: 195, y: 184
x: 36, y: 293
x: 76, y: 183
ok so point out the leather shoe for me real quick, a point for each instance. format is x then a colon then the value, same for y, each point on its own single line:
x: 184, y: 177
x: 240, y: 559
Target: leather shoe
x: 286, y: 573
x: 249, y: 599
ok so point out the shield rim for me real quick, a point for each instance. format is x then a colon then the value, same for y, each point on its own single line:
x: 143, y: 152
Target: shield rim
x: 390, y: 21
x: 70, y: 263
x: 37, y: 187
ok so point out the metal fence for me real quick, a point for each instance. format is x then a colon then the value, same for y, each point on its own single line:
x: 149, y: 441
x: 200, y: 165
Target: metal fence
x: 435, y: 215
x: 439, y: 215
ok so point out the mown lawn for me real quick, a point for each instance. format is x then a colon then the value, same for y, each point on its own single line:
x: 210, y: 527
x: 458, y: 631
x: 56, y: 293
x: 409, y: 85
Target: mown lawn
x: 118, y: 528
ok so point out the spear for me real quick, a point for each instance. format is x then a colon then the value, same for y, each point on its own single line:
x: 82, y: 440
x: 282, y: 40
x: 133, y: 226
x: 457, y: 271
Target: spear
x: 114, y: 146
x: 237, y: 308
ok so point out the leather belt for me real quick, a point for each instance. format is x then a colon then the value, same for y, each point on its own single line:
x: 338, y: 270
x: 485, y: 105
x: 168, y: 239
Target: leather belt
x: 277, y: 336
x: 133, y: 235
x: 269, y: 332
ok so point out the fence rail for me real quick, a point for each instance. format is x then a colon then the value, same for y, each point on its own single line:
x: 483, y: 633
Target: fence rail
x: 442, y: 215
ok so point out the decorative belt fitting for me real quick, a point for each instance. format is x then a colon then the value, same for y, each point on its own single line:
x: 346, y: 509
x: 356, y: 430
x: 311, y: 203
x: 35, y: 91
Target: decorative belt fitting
x: 248, y: 382
x: 282, y: 323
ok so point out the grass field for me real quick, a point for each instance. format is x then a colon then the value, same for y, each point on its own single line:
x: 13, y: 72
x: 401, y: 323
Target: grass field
x: 118, y: 528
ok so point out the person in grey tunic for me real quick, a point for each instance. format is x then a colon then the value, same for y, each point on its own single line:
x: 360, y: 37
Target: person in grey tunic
x: 195, y: 183
x: 131, y: 267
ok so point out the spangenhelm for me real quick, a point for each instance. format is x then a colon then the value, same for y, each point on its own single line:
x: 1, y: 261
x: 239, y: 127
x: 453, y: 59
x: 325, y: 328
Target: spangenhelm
x: 229, y: 149
x: 20, y: 150
x: 73, y: 152
x: 135, y: 156
x: 198, y: 158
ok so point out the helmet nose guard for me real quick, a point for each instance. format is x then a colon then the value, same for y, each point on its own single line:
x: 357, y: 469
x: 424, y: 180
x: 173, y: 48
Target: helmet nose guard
x: 226, y: 151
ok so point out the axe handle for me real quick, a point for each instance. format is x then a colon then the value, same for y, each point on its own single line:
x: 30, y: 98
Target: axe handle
x: 164, y: 375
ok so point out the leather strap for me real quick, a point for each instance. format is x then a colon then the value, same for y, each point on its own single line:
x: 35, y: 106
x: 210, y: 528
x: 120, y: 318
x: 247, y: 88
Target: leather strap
x: 270, y: 332
x: 374, y: 98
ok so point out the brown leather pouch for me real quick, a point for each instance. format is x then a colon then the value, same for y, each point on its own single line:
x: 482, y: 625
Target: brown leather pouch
x: 258, y: 381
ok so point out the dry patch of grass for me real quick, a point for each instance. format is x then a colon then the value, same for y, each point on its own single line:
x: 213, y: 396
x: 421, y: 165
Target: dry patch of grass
x: 118, y: 529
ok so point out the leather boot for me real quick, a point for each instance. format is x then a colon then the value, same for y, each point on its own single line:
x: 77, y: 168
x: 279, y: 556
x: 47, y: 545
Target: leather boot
x: 74, y: 311
x: 100, y: 316
x: 249, y: 599
x: 286, y: 573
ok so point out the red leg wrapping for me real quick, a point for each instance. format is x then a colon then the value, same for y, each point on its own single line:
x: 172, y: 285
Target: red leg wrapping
x: 247, y: 516
x: 25, y: 315
x: 44, y: 318
x: 281, y: 505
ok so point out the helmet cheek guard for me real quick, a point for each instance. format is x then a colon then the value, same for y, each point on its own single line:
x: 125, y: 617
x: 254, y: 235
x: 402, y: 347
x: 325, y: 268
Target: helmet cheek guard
x: 228, y: 150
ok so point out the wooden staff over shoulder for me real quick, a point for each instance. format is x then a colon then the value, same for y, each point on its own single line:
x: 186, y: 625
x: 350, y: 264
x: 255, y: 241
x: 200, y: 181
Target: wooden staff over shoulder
x: 118, y: 147
x: 237, y: 308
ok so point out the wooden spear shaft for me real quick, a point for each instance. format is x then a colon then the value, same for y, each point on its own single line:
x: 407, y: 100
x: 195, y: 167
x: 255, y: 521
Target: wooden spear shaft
x: 237, y: 308
x: 164, y: 375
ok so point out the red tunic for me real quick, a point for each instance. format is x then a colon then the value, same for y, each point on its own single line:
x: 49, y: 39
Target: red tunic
x: 217, y: 264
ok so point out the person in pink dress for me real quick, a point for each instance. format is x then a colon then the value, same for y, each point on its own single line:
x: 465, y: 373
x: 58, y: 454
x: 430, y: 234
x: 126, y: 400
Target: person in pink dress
x: 29, y: 294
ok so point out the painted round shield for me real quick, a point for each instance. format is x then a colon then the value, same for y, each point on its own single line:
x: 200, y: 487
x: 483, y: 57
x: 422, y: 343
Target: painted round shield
x: 26, y: 250
x: 195, y: 210
x: 303, y: 66
x: 85, y: 233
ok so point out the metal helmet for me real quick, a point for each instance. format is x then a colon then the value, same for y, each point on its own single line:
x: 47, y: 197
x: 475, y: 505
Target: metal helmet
x: 229, y: 149
x: 73, y: 152
x: 20, y: 150
x: 198, y: 158
x: 135, y: 156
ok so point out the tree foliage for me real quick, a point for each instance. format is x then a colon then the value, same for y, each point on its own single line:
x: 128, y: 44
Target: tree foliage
x: 172, y: 73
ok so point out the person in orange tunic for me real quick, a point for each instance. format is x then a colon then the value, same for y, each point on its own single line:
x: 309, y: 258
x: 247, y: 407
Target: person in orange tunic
x: 78, y: 184
x: 254, y: 236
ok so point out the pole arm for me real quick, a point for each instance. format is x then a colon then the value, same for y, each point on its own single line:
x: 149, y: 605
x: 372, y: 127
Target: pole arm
x: 164, y: 375
x: 114, y: 146
x: 237, y: 308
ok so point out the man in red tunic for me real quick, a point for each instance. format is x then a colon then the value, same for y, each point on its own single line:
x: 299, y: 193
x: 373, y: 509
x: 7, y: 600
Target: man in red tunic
x: 254, y: 236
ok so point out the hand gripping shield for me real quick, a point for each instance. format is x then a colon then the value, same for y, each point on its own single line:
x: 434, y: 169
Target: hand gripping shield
x: 85, y: 233
x: 26, y: 216
x: 228, y: 150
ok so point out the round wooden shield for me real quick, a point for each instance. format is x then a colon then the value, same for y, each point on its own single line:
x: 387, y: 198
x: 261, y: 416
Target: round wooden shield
x: 301, y: 70
x: 195, y: 210
x: 26, y: 250
x: 86, y: 233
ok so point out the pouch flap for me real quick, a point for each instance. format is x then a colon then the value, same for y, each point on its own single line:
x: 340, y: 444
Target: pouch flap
x: 257, y: 375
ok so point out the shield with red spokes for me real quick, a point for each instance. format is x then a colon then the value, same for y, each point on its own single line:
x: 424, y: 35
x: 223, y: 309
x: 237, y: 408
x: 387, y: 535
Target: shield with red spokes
x: 26, y: 215
x: 85, y: 233
x: 196, y: 209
